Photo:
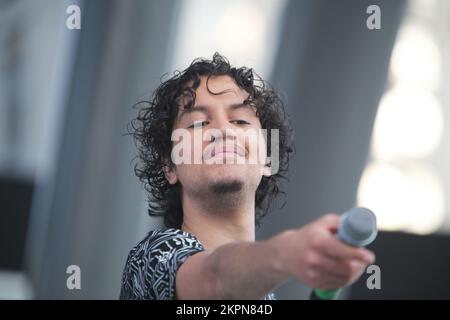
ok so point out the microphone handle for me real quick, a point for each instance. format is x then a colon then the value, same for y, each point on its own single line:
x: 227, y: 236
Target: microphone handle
x: 319, y: 294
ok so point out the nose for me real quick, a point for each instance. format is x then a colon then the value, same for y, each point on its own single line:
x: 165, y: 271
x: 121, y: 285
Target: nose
x: 222, y: 129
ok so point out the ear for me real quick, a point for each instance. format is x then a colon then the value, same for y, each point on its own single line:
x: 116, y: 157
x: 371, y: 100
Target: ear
x: 171, y: 175
x: 266, y: 170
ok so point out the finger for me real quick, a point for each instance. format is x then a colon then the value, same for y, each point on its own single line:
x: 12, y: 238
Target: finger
x: 331, y: 221
x: 342, y: 270
x: 332, y: 280
x: 335, y: 248
x: 358, y: 269
x: 349, y: 271
x: 336, y: 267
x: 326, y: 264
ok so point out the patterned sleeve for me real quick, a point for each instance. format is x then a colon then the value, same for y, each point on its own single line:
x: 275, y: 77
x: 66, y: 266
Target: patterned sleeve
x: 152, y: 265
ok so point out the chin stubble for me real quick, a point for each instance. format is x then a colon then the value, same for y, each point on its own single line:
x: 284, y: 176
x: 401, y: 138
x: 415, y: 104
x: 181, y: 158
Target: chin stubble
x: 227, y: 187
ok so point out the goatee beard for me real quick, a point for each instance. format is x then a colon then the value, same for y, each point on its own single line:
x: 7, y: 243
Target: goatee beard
x: 226, y: 187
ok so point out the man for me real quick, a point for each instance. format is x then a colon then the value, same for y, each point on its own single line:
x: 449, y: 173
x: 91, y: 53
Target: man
x: 208, y: 250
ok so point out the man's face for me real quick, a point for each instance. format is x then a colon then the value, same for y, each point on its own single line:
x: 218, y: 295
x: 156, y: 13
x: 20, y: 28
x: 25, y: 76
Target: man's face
x: 226, y: 158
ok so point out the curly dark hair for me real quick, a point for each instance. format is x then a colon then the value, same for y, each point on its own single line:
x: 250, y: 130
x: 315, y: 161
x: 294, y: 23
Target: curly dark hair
x: 152, y: 129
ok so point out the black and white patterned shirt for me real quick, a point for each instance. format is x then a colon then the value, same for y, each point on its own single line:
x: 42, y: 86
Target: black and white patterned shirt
x: 152, y: 265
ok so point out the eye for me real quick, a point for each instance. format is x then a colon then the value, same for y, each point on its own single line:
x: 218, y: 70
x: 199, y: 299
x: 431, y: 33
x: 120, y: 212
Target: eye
x: 198, y: 124
x: 240, y: 122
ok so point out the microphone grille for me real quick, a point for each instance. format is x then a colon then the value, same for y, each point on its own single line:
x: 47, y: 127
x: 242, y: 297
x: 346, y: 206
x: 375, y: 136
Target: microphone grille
x: 358, y: 227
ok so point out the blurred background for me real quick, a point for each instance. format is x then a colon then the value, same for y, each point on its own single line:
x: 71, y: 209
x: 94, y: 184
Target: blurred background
x: 370, y: 110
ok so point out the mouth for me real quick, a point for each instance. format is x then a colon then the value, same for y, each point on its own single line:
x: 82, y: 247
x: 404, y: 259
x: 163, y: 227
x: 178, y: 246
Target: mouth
x: 227, y: 150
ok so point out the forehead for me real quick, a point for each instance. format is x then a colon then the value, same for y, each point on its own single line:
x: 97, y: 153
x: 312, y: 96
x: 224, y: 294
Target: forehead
x: 219, y: 92
x: 225, y: 85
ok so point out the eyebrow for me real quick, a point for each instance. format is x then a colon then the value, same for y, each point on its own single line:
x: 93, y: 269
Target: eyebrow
x: 204, y: 109
x: 185, y: 112
x: 240, y: 105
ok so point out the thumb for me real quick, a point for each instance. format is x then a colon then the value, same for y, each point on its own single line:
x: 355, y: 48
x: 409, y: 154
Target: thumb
x: 331, y: 222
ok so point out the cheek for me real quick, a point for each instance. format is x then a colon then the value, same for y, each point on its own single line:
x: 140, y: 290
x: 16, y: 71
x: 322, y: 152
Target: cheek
x: 188, y: 149
x: 256, y: 146
x: 183, y: 174
x: 189, y: 172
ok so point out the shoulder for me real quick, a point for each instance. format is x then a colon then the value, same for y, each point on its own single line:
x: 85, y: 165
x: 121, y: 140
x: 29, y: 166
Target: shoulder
x: 165, y: 240
x: 152, y: 264
x: 162, y: 246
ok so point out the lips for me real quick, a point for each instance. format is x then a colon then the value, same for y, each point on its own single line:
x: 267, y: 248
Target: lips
x: 225, y: 150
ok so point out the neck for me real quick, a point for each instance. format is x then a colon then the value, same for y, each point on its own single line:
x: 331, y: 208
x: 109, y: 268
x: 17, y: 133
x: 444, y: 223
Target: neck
x: 216, y: 221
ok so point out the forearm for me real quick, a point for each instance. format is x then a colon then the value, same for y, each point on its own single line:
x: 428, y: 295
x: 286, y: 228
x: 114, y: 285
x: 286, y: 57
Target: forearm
x: 248, y: 270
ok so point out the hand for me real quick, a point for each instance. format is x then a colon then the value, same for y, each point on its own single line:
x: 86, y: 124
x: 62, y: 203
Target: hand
x: 314, y: 255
